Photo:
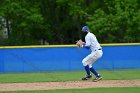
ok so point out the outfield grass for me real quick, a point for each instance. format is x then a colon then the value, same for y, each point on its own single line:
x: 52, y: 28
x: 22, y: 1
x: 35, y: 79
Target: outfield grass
x: 67, y: 76
x: 91, y: 90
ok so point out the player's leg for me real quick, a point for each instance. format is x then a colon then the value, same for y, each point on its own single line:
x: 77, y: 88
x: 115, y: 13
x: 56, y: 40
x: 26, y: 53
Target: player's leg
x: 87, y: 63
x: 86, y: 67
x: 96, y: 55
x: 93, y: 70
x: 97, y: 75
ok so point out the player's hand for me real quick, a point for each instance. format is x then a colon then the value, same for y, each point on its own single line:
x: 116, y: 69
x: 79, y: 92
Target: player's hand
x: 79, y: 43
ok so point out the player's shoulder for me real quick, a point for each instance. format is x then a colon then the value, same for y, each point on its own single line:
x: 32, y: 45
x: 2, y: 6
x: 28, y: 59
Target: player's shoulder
x: 91, y: 34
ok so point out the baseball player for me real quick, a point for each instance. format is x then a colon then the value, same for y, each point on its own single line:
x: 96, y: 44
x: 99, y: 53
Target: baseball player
x: 92, y: 43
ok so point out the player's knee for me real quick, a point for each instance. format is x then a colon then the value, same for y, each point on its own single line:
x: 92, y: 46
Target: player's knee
x: 84, y: 63
x: 90, y: 66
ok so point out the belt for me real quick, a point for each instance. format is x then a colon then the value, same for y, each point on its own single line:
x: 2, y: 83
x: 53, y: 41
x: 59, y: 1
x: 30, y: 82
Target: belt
x: 98, y: 49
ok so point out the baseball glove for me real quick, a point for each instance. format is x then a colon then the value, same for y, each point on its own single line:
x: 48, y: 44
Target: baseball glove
x: 79, y: 43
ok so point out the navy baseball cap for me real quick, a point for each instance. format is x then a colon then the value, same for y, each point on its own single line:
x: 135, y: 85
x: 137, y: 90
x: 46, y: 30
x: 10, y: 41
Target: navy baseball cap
x: 85, y: 28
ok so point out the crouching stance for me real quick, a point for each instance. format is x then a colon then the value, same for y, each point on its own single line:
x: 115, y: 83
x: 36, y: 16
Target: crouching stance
x: 90, y: 43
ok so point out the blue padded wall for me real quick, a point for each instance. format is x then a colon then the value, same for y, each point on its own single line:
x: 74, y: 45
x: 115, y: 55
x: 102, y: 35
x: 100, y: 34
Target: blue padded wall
x: 66, y: 58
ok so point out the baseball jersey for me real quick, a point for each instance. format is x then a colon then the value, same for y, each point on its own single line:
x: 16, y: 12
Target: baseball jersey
x: 92, y: 42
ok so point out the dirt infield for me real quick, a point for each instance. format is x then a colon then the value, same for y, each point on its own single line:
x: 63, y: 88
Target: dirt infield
x: 68, y: 85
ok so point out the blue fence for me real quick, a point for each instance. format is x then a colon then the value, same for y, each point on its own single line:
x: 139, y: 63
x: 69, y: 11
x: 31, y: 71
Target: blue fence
x: 66, y: 58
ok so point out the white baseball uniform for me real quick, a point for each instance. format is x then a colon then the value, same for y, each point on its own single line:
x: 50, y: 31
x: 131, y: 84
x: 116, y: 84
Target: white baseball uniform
x: 92, y: 42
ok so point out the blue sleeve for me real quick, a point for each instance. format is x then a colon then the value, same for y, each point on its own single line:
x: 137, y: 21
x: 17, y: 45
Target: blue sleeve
x: 87, y: 47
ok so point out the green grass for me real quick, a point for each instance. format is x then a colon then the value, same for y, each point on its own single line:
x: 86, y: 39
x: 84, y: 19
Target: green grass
x: 93, y: 90
x: 67, y: 76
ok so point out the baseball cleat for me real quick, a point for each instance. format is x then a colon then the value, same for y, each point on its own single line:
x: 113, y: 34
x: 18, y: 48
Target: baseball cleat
x: 86, y: 77
x: 97, y: 79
